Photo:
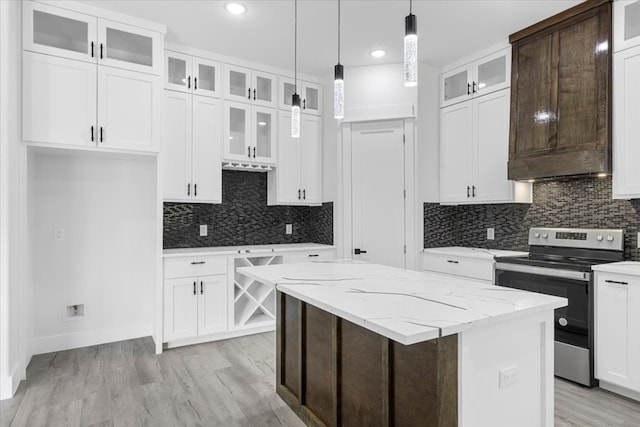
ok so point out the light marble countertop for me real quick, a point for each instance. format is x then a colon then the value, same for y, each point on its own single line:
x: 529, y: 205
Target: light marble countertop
x: 473, y: 252
x: 231, y: 250
x: 625, y: 267
x: 403, y: 305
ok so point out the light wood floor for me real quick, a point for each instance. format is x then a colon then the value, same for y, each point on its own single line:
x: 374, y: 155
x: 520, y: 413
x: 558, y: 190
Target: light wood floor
x: 227, y: 383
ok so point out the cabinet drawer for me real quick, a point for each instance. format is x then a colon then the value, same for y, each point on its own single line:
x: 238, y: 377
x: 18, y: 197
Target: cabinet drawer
x: 309, y: 256
x: 194, y: 266
x: 481, y: 269
x: 616, y: 279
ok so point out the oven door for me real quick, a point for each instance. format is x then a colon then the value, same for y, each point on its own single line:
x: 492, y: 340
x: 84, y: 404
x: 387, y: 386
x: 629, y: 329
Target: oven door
x: 571, y: 322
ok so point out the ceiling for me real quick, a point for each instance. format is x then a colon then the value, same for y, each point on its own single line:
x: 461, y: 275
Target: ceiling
x: 448, y: 29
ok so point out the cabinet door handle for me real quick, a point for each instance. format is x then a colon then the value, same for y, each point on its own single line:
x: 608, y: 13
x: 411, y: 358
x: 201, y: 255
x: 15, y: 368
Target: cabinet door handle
x: 92, y: 53
x: 616, y: 282
x: 453, y: 261
x: 198, y: 262
x: 249, y: 93
x: 249, y: 152
x: 304, y: 194
x: 195, y: 190
x: 299, y: 194
x: 189, y: 189
x: 473, y: 191
x: 92, y: 137
x: 254, y: 94
x: 101, y: 135
x: 304, y: 104
x: 195, y: 83
x: 468, y: 191
x: 313, y: 255
x: 101, y: 55
x: 194, y: 288
x: 468, y: 89
x: 254, y: 152
x: 189, y: 82
x: 201, y: 288
x: 474, y: 87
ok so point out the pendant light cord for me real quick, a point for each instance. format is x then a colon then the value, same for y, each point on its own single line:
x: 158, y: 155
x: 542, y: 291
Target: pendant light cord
x: 410, y: 7
x: 295, y: 48
x: 338, y: 31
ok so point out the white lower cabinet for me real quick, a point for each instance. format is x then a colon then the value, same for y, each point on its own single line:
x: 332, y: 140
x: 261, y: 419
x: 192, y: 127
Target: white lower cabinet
x: 617, y: 330
x: 473, y: 268
x: 297, y: 179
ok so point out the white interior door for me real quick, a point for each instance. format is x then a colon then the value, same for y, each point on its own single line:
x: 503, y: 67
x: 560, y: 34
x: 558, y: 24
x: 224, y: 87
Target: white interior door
x: 378, y: 192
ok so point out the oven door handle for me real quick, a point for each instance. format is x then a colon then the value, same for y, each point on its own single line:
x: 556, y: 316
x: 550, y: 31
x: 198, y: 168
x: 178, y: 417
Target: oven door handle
x: 542, y: 271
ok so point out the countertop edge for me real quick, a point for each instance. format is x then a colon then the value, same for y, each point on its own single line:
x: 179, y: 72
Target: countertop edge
x: 243, y: 250
x: 630, y: 268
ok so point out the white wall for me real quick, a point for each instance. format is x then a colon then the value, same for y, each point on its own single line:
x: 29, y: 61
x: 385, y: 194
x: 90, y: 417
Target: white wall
x: 106, y: 205
x: 428, y: 133
x: 12, y: 158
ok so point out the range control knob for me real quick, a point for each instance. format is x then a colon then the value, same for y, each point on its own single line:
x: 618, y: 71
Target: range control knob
x: 599, y: 238
x: 545, y: 235
x: 536, y: 235
x: 609, y: 238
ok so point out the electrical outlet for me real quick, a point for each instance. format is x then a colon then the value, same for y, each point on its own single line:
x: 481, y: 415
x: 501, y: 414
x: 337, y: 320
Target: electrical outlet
x: 508, y: 376
x: 203, y: 230
x: 289, y: 229
x: 58, y: 234
x: 638, y: 241
x: 491, y: 233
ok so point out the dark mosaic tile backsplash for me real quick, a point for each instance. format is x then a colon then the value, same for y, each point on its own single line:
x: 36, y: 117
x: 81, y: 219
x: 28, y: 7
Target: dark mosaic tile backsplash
x: 244, y: 218
x: 581, y: 203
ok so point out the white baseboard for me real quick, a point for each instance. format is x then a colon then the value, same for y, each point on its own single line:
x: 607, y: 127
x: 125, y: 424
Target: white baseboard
x: 87, y: 338
x: 9, y: 385
x: 631, y: 394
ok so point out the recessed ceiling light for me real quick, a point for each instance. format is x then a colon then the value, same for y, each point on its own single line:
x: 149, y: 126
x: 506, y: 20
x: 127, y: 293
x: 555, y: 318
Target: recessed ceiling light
x: 235, y: 8
x: 378, y: 53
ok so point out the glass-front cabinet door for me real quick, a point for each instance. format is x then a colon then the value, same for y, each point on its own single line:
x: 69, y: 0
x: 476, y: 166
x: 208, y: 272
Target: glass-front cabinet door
x: 311, y: 98
x: 286, y: 88
x: 264, y: 135
x: 237, y: 146
x: 60, y: 32
x: 455, y: 86
x: 492, y: 73
x: 206, y: 77
x: 126, y: 46
x: 237, y: 83
x: 263, y: 89
x: 177, y: 71
x: 626, y: 24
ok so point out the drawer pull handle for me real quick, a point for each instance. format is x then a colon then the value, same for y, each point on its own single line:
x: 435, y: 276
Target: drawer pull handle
x: 452, y: 261
x: 617, y: 282
x: 198, y: 262
x: 313, y: 255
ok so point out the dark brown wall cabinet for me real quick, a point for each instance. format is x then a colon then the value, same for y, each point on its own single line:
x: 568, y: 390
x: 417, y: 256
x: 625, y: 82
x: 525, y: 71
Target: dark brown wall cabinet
x: 561, y: 95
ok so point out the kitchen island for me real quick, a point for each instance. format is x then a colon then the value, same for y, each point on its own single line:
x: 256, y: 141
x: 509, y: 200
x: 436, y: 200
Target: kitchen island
x: 365, y: 344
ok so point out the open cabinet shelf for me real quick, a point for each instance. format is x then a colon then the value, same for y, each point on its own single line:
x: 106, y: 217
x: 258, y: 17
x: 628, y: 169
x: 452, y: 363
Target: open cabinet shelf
x: 254, y: 302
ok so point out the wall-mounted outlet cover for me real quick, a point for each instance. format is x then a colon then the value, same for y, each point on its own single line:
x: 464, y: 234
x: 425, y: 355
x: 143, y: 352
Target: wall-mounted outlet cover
x: 491, y: 233
x: 73, y: 312
x: 289, y: 229
x: 203, y: 230
x: 508, y: 376
x: 638, y: 241
x: 58, y: 234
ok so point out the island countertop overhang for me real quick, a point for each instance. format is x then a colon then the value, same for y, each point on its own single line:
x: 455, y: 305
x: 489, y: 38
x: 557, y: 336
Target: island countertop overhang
x: 406, y: 306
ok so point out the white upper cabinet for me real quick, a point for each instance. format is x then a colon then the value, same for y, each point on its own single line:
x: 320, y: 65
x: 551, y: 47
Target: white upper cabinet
x: 129, y: 47
x: 61, y: 108
x: 480, y: 77
x: 249, y: 133
x: 207, y: 151
x: 54, y: 31
x: 176, y: 150
x: 626, y: 24
x: 474, y: 141
x: 626, y: 124
x: 62, y: 32
x: 310, y: 95
x: 297, y: 179
x: 191, y: 74
x: 250, y: 86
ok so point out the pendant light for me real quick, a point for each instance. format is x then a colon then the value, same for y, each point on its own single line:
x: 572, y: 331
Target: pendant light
x: 295, y: 98
x: 338, y: 81
x: 410, y: 48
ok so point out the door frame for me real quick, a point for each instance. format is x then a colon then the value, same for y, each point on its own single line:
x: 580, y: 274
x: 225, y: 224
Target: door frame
x: 344, y: 217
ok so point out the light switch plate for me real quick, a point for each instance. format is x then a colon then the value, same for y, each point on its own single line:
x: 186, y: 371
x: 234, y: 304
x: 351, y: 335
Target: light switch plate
x: 289, y: 229
x: 58, y: 234
x: 203, y: 230
x: 491, y: 233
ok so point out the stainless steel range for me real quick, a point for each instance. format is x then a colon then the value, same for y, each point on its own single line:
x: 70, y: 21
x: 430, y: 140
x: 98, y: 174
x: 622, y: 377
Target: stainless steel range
x: 559, y: 263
